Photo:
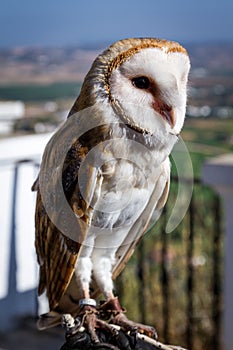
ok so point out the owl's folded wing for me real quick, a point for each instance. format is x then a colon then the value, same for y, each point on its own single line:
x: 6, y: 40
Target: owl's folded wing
x: 61, y: 223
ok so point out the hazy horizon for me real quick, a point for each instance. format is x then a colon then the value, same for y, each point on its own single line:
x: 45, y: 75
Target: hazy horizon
x: 102, y: 45
x: 97, y: 24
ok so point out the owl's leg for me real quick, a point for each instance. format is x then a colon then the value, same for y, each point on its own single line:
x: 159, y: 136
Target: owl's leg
x: 103, y: 260
x: 83, y: 271
x: 83, y: 268
x: 88, y: 315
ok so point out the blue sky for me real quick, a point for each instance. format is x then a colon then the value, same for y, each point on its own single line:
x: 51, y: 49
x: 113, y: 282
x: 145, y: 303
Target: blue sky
x: 76, y: 22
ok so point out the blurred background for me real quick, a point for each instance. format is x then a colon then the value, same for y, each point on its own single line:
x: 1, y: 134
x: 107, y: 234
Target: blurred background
x: 46, y: 49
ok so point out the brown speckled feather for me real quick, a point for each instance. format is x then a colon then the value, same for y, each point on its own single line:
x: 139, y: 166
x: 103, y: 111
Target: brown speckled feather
x: 56, y: 253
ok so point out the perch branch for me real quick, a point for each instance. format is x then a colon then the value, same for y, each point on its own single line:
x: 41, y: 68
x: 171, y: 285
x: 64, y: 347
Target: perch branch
x: 81, y: 340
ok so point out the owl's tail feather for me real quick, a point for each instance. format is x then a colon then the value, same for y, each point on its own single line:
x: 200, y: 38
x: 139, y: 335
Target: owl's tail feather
x: 48, y: 320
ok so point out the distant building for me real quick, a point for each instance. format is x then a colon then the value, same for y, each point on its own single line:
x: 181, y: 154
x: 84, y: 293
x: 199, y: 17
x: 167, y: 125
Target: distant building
x: 9, y: 112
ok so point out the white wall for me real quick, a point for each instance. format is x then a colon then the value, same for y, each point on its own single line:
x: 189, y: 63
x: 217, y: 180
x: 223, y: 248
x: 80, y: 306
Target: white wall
x: 18, y: 266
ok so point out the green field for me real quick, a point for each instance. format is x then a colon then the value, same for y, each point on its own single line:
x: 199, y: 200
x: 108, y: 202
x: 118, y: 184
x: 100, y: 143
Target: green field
x: 207, y: 138
x: 32, y: 93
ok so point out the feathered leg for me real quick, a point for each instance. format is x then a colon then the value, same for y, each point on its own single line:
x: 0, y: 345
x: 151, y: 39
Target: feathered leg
x: 112, y: 309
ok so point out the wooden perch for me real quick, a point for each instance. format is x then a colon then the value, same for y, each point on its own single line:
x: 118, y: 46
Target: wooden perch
x: 122, y: 341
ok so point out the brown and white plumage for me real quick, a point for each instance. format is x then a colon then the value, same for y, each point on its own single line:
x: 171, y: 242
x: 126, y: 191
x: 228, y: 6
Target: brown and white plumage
x: 135, y: 92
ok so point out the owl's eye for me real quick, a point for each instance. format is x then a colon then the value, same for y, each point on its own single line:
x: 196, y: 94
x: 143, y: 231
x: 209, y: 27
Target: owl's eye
x: 141, y: 82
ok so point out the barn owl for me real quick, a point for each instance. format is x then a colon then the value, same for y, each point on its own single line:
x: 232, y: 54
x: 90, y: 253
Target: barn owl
x: 114, y: 173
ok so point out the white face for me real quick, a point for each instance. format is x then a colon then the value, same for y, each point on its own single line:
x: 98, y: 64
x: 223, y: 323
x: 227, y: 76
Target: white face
x: 151, y: 89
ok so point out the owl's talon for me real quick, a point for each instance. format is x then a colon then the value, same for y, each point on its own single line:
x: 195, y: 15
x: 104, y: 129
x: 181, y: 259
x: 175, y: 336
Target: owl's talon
x: 133, y: 327
x: 113, y: 310
x: 90, y: 321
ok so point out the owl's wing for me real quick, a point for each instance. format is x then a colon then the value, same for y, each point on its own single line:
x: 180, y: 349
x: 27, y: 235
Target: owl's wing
x: 57, y: 252
x: 55, y: 259
x: 155, y: 204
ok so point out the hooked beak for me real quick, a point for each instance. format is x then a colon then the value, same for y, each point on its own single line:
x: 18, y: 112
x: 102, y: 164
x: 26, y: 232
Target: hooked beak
x: 165, y: 111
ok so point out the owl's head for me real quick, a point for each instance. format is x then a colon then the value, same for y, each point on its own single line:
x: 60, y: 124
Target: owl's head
x: 145, y: 82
